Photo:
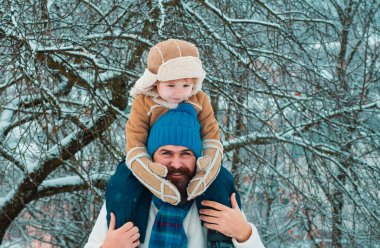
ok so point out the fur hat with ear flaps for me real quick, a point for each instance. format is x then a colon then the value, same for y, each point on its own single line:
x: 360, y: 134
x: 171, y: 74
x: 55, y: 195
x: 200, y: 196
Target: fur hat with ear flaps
x: 170, y: 60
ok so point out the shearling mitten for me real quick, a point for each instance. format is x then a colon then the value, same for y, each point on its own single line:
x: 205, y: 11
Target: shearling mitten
x: 208, y: 167
x: 152, y: 175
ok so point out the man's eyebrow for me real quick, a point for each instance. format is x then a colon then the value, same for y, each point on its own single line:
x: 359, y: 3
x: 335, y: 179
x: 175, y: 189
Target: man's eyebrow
x: 187, y: 150
x: 165, y: 150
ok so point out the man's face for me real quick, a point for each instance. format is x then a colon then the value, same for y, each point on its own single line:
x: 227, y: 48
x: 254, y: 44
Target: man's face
x: 180, y: 162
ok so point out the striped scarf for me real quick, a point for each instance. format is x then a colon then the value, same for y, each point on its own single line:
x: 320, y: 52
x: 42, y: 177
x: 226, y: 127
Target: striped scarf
x: 168, y: 228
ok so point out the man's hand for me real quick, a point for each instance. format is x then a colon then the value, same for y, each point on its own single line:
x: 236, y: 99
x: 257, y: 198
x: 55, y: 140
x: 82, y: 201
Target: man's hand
x: 229, y: 221
x: 126, y: 236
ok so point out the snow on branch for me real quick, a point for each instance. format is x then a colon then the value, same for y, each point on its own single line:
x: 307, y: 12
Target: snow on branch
x: 216, y: 36
x: 10, y: 157
x: 270, y: 11
x: 162, y: 17
x: 56, y: 48
x: 99, y: 11
x: 253, y: 138
x: 312, y: 20
x: 322, y: 150
x: 329, y: 116
x: 269, y: 54
x: 6, y: 116
x: 238, y: 21
x: 71, y: 183
x: 87, y: 78
x: 259, y: 139
x: 119, y: 35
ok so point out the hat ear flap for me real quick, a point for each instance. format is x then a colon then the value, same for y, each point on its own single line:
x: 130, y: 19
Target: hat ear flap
x: 144, y: 83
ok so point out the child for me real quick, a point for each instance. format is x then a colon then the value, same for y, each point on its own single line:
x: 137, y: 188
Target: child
x: 174, y: 75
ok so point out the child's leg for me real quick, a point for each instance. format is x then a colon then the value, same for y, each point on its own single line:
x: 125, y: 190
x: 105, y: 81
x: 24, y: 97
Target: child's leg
x: 208, y: 167
x: 152, y: 175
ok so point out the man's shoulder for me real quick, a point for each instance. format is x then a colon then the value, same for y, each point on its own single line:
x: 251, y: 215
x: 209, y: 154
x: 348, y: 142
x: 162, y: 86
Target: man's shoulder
x: 123, y: 181
x: 225, y: 175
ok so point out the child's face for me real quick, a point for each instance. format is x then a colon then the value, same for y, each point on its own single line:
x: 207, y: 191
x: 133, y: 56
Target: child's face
x: 175, y: 91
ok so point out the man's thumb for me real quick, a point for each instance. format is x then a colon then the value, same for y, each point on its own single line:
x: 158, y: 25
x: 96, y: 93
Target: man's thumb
x: 112, y: 223
x: 234, y: 203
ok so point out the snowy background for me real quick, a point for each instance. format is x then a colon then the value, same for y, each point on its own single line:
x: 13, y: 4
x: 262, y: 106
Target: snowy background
x: 294, y: 85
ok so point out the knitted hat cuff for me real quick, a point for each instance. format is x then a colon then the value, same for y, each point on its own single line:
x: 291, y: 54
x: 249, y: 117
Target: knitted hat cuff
x: 175, y: 136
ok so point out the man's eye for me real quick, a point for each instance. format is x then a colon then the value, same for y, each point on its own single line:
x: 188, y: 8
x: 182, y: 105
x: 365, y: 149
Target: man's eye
x: 165, y: 154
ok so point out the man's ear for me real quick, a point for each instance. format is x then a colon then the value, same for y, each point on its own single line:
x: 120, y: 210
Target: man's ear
x: 153, y: 156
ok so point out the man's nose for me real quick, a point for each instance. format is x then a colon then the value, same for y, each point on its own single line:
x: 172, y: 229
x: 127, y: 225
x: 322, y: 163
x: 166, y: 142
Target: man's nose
x: 176, y: 162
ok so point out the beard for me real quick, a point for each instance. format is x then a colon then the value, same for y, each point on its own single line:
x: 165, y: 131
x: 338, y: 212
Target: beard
x: 180, y: 177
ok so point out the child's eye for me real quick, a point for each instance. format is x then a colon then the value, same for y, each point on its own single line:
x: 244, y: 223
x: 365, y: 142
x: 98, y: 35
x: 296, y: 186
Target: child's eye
x: 170, y: 85
x: 186, y: 85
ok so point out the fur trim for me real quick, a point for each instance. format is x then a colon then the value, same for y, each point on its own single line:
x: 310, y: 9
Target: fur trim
x: 164, y: 103
x: 181, y: 67
x: 144, y: 84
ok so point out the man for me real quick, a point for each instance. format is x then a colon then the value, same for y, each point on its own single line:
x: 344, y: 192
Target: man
x: 138, y: 219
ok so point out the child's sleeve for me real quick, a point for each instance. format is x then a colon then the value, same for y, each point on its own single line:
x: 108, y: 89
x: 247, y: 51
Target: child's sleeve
x: 207, y: 120
x: 137, y: 127
x: 208, y: 166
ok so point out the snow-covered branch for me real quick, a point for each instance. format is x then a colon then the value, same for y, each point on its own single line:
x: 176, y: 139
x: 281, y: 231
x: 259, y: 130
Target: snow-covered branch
x: 213, y: 33
x: 71, y: 184
x: 238, y: 21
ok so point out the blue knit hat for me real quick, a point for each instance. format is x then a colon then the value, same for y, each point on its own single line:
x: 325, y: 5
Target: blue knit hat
x: 178, y: 127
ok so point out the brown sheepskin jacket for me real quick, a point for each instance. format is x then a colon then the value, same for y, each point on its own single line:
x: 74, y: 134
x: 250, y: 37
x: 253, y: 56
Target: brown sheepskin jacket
x: 145, y: 111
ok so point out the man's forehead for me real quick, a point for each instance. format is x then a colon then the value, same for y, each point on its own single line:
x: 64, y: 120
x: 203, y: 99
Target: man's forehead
x: 172, y: 148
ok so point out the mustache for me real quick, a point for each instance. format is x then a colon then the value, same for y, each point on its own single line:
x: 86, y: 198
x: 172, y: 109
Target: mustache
x: 181, y: 170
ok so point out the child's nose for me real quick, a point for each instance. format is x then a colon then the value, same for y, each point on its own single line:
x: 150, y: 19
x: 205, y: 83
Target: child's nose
x: 178, y: 92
